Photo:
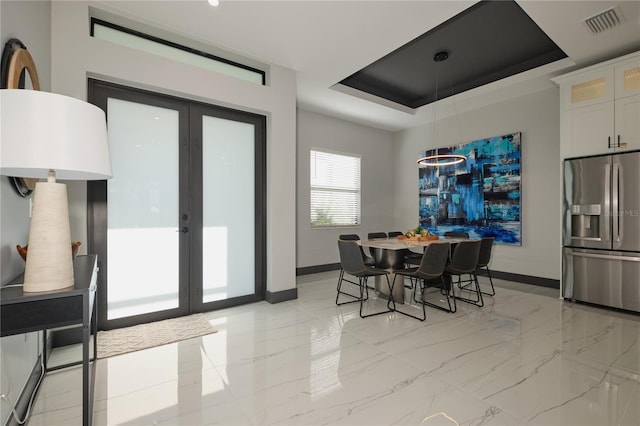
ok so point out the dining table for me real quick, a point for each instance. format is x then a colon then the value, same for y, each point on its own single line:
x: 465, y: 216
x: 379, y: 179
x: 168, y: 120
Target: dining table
x: 389, y: 254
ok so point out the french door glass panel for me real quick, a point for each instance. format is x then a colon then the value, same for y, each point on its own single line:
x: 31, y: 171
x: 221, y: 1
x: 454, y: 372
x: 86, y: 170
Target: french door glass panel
x: 142, y: 213
x: 228, y: 198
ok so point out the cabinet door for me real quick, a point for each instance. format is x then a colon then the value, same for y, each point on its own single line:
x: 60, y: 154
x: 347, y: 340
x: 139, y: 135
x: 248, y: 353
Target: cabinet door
x: 590, y: 129
x: 588, y: 89
x: 627, y: 128
x: 627, y: 78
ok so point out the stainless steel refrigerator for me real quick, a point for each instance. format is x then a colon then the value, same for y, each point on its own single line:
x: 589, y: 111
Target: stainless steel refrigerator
x: 601, y: 230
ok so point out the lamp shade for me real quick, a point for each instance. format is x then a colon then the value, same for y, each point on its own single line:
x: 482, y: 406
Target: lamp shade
x: 46, y: 135
x: 42, y: 131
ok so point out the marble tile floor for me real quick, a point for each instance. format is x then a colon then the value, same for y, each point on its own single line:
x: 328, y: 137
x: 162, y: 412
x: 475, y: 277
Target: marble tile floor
x: 525, y: 358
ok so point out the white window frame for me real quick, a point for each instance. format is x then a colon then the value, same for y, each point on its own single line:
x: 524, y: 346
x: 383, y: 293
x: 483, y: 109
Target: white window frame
x: 334, y: 188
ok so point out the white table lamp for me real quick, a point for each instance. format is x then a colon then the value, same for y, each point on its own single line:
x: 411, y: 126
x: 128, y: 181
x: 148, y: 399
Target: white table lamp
x: 46, y: 135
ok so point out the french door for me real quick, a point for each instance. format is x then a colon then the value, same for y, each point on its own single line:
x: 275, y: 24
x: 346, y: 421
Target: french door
x: 180, y: 227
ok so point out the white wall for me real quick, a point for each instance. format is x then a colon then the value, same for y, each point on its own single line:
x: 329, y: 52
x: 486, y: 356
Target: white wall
x: 537, y: 116
x: 77, y: 56
x: 319, y: 246
x: 29, y: 22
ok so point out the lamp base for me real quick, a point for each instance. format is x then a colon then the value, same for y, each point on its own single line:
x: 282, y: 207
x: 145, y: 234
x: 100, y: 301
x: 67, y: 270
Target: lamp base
x: 49, y: 265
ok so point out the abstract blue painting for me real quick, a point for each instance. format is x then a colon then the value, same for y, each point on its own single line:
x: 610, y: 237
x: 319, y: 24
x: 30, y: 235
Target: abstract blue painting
x: 480, y: 196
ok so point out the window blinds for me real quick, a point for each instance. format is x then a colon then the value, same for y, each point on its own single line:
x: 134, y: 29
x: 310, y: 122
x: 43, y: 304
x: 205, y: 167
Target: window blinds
x: 335, y: 189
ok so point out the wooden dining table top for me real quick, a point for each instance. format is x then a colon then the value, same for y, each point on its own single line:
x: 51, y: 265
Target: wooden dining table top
x: 397, y: 244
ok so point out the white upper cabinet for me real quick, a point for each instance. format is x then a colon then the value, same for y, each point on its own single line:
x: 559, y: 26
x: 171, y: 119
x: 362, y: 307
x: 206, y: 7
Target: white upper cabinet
x: 600, y: 108
x: 587, y: 130
x: 588, y: 89
x: 627, y: 78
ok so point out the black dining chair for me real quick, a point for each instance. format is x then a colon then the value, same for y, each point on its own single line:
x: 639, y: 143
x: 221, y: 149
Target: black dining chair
x: 376, y: 235
x: 486, y: 247
x: 464, y: 260
x: 394, y: 234
x: 454, y: 234
x: 353, y: 264
x: 428, y: 274
x: 368, y: 260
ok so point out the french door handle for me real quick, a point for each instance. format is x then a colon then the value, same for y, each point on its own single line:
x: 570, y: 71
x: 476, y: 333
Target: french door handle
x: 183, y: 229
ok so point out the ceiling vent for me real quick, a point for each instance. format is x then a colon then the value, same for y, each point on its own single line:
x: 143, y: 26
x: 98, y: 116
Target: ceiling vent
x: 604, y: 20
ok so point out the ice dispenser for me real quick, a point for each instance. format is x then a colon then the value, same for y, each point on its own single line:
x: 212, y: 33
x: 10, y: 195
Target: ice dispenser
x: 585, y: 221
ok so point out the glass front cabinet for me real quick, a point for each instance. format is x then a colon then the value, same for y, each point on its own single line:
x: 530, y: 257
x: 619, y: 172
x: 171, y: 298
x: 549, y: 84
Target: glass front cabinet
x: 600, y: 108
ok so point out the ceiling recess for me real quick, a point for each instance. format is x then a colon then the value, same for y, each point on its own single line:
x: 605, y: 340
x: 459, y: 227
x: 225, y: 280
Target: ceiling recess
x: 604, y: 20
x: 487, y: 42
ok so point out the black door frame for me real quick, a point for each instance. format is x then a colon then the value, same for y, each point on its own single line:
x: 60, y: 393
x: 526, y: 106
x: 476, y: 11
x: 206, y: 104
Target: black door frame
x: 197, y: 111
x: 190, y: 200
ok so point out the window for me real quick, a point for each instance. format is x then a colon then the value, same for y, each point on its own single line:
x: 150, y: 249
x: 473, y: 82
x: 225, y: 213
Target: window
x: 335, y: 189
x: 137, y: 40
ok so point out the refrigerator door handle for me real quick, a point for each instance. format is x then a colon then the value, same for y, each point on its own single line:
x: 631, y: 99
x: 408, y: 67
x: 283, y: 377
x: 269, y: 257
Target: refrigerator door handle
x: 607, y: 203
x: 615, y: 208
x: 586, y: 238
x: 604, y: 256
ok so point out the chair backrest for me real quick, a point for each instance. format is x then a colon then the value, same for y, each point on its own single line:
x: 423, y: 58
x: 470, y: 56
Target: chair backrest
x: 393, y: 234
x: 454, y: 234
x: 486, y: 244
x: 374, y: 235
x: 349, y: 237
x: 434, y: 259
x: 465, y: 256
x: 351, y: 257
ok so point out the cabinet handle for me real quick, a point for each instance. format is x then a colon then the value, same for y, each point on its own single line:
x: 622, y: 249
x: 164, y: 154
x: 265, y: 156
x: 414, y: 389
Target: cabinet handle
x: 608, y: 141
x: 620, y: 144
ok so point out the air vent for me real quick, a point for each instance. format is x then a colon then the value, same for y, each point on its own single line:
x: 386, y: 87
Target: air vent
x: 604, y: 20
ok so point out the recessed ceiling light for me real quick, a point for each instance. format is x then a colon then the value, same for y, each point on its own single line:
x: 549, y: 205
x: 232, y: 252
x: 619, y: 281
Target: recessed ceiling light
x: 214, y: 2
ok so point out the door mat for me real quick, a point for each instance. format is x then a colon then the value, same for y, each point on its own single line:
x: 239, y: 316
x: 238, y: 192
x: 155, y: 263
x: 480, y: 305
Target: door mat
x: 143, y: 336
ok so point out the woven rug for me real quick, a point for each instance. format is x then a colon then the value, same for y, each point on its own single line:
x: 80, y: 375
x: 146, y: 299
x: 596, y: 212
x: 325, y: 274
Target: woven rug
x: 144, y: 336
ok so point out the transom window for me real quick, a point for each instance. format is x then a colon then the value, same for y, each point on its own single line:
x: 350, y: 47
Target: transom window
x: 335, y: 189
x: 167, y: 49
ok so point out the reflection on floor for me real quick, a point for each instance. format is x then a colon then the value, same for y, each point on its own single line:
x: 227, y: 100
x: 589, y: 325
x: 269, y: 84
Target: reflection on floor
x: 526, y: 358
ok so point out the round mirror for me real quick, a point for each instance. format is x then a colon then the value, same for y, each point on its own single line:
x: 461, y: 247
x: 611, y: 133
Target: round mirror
x: 16, y: 64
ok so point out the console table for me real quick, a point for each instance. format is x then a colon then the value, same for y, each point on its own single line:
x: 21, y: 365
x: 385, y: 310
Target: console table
x: 26, y: 312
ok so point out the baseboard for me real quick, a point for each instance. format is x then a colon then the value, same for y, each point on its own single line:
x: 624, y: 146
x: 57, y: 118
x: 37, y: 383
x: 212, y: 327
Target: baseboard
x: 306, y: 270
x: 281, y: 296
x: 508, y: 276
x: 525, y: 279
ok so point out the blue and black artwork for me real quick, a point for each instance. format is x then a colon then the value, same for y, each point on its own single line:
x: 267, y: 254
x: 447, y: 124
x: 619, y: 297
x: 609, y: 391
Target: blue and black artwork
x: 480, y: 196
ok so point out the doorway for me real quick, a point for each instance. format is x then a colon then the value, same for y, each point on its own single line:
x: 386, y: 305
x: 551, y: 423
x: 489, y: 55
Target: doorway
x: 180, y: 227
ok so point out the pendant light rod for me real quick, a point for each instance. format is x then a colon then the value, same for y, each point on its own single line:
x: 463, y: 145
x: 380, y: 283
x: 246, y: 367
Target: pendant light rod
x: 439, y: 160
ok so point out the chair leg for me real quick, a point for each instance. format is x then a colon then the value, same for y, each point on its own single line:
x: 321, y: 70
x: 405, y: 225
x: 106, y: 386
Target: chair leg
x: 450, y: 295
x: 392, y: 302
x: 493, y: 290
x: 478, y: 301
x: 447, y: 291
x: 364, y: 288
x: 470, y: 281
x: 464, y: 284
x: 339, y: 291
